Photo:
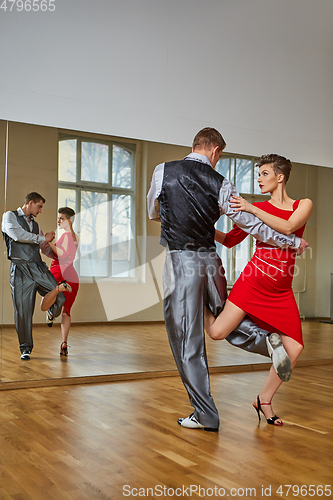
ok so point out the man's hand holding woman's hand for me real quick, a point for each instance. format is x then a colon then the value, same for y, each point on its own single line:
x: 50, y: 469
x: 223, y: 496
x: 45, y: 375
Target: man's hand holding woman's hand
x: 49, y: 236
x: 303, y: 246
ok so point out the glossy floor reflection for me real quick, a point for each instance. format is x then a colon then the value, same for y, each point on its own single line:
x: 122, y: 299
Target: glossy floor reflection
x: 103, y: 349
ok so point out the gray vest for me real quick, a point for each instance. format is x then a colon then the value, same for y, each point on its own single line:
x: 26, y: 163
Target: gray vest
x: 189, y: 205
x: 19, y: 249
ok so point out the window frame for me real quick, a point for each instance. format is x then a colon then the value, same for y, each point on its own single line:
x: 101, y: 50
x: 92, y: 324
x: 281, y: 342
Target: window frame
x: 80, y: 185
x: 230, y: 262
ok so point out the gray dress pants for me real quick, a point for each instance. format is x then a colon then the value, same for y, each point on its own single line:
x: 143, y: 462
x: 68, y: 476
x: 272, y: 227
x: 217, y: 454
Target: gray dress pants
x: 192, y: 280
x: 26, y: 279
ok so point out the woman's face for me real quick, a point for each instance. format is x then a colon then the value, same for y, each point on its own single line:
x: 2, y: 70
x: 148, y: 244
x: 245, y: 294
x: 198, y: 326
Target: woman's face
x: 63, y: 222
x: 267, y: 179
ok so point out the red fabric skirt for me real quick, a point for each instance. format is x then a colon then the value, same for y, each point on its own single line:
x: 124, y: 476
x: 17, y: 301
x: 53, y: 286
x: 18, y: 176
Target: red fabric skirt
x: 264, y: 292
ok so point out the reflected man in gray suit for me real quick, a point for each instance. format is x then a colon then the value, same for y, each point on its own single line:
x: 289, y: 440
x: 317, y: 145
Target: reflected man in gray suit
x: 28, y: 273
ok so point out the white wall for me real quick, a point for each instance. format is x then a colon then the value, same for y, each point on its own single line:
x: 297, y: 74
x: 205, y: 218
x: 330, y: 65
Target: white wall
x: 258, y: 70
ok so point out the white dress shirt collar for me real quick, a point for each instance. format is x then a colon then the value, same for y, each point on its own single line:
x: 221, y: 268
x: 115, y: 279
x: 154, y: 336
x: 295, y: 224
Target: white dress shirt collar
x: 198, y: 157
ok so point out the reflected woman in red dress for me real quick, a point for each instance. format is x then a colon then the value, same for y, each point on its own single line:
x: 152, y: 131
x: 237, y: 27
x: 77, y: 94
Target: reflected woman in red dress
x: 62, y: 268
x: 264, y: 288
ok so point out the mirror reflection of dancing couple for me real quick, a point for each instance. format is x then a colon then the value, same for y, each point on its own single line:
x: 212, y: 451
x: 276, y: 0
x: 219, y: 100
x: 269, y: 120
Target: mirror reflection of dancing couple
x: 260, y: 314
x: 29, y: 274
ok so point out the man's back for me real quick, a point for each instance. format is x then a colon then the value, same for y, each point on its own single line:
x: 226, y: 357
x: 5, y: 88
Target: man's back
x: 189, y: 205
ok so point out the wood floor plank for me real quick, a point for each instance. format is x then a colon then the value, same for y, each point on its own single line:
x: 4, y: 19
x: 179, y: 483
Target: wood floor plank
x: 89, y: 442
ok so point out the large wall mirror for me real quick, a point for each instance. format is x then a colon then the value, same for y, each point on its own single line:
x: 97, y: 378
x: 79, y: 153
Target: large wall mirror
x: 117, y: 318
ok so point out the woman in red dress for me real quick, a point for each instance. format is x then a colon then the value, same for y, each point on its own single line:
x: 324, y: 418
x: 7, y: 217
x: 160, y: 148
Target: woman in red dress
x: 264, y: 289
x: 62, y: 268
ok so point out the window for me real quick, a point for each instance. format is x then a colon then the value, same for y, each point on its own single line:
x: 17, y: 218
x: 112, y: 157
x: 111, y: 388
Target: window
x: 96, y: 179
x: 241, y: 171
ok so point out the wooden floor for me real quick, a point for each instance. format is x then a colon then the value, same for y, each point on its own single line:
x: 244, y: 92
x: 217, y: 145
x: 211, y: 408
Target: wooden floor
x: 108, y: 352
x: 121, y: 440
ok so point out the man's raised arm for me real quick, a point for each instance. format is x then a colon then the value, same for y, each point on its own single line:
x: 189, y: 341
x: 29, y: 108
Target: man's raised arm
x: 251, y: 224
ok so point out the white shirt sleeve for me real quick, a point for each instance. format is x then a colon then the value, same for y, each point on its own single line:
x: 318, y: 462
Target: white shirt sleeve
x: 46, y: 249
x: 154, y: 192
x: 250, y: 223
x: 11, y: 227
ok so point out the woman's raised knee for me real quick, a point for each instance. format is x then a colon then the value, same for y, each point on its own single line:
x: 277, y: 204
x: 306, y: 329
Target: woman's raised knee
x: 215, y: 334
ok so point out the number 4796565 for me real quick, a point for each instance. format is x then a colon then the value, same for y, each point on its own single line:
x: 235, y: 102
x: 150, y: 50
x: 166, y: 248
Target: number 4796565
x: 28, y: 5
x: 303, y: 490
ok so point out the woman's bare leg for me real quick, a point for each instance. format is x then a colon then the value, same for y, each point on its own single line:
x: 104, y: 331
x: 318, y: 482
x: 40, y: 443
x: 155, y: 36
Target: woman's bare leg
x: 225, y: 323
x: 50, y: 297
x: 209, y: 318
x: 273, y: 382
x: 65, y: 325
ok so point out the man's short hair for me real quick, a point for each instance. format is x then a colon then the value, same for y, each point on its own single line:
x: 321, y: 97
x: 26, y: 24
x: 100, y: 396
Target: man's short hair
x: 207, y: 138
x: 35, y: 197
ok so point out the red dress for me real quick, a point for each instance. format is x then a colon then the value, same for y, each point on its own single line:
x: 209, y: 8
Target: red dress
x: 62, y: 268
x: 264, y: 288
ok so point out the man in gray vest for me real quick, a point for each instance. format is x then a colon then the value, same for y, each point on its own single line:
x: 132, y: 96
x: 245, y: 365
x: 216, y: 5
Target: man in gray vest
x: 188, y: 197
x: 28, y: 273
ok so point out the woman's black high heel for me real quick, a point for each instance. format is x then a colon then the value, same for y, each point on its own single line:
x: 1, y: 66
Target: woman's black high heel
x: 271, y: 420
x: 64, y: 349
